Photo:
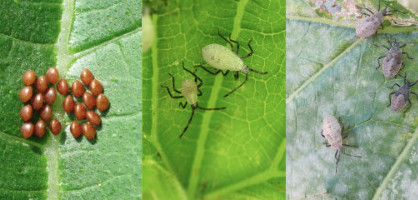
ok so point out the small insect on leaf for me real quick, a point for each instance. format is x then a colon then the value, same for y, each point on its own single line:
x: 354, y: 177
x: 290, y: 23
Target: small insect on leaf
x: 190, y: 90
x: 222, y: 58
x: 401, y: 96
x: 369, y: 25
x: 331, y: 130
x: 392, y: 62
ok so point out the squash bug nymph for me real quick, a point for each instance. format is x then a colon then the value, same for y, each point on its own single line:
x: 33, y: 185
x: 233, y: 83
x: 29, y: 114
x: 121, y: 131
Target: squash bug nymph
x: 401, y: 96
x: 190, y: 91
x: 392, y: 62
x: 222, y: 58
x: 331, y: 130
x: 369, y: 25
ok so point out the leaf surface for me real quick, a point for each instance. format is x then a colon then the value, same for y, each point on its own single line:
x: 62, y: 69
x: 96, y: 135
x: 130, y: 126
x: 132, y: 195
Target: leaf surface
x: 236, y: 153
x: 331, y: 71
x: 39, y: 34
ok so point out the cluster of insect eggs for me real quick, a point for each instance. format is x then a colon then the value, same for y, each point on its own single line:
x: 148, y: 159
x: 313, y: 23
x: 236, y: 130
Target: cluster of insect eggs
x: 48, y: 96
x: 41, y: 101
x: 91, y: 100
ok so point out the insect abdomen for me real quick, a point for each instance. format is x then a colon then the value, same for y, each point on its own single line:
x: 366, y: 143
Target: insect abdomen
x: 369, y: 25
x: 222, y: 58
x: 398, y: 102
x: 332, y: 131
x: 189, y: 91
x: 391, y: 65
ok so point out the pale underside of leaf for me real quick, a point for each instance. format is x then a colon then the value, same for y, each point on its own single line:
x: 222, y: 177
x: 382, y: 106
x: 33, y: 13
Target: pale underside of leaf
x: 330, y: 71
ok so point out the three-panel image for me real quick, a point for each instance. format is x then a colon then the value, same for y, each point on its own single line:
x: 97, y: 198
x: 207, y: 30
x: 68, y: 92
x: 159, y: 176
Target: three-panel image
x: 209, y: 100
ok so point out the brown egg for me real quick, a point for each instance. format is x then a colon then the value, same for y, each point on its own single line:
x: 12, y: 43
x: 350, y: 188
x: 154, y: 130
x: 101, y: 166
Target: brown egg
x: 96, y: 87
x: 55, y: 126
x: 41, y: 84
x: 89, y: 100
x: 68, y: 104
x: 86, y: 76
x: 26, y: 93
x: 26, y: 112
x: 102, y: 103
x: 52, y: 75
x: 62, y: 87
x: 88, y: 130
x: 79, y: 111
x: 37, y: 101
x: 93, y: 117
x: 27, y: 129
x: 40, y: 128
x: 29, y: 77
x: 50, y: 95
x: 75, y: 129
x: 77, y: 88
x: 46, y: 113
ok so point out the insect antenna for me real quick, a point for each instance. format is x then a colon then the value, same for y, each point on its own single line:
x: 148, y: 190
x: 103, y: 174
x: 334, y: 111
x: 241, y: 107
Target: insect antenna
x: 253, y: 70
x: 342, y: 151
x: 188, y: 123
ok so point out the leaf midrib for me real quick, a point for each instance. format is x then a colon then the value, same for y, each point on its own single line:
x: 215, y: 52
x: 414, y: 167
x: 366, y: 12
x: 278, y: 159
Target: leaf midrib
x: 392, y: 30
x: 207, y: 116
x: 64, y: 59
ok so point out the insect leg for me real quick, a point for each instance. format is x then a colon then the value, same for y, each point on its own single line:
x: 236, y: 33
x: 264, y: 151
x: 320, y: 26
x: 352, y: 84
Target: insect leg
x: 235, y: 43
x: 168, y: 90
x: 246, y: 78
x: 364, y: 14
x: 342, y: 151
x: 188, y: 123
x: 251, y: 53
x: 369, y: 11
x: 387, y: 40
x: 195, y: 77
x: 337, y: 157
x: 183, y: 105
x: 415, y: 94
x: 409, y: 106
x: 378, y: 61
x: 387, y: 48
x: 402, y: 46
x: 390, y: 98
x: 394, y: 86
x: 236, y: 76
x: 412, y: 84
x: 174, y: 85
x: 322, y: 134
x: 407, y: 55
x: 200, y: 92
x: 220, y: 35
x: 347, y: 145
x: 213, y: 73
x: 347, y: 133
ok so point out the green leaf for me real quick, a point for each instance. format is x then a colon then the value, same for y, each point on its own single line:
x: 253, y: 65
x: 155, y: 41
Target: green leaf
x: 236, y: 153
x: 103, y: 36
x: 331, y: 71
